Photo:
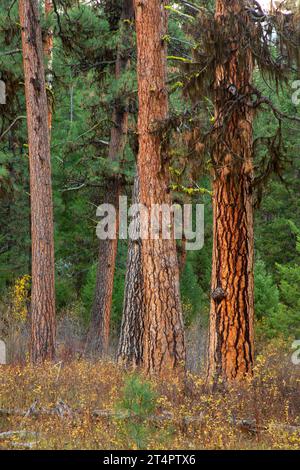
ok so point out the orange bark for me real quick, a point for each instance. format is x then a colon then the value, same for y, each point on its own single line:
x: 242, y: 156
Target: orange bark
x: 164, y: 345
x: 43, y: 293
x: 232, y: 310
x: 98, y: 337
x: 48, y: 52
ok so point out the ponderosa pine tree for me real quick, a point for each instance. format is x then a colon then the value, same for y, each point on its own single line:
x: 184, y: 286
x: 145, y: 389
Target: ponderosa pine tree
x: 43, y: 291
x: 239, y: 36
x: 48, y: 51
x: 98, y: 336
x: 232, y: 308
x: 163, y: 344
x: 14, y: 207
x: 130, y: 352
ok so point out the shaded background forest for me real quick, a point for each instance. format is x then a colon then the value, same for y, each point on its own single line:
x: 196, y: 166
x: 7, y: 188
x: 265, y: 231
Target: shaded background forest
x: 84, y: 93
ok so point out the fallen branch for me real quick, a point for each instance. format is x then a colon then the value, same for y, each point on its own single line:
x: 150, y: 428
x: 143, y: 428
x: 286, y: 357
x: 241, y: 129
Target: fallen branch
x: 26, y: 445
x: 16, y: 412
x: 9, y: 434
x: 61, y: 409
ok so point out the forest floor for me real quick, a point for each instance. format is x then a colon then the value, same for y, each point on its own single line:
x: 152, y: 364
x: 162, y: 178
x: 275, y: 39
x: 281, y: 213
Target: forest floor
x: 97, y: 405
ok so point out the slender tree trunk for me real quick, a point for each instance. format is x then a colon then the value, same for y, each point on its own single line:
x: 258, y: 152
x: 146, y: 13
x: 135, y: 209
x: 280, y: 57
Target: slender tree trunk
x: 98, y: 336
x: 182, y: 255
x: 232, y: 310
x: 181, y: 249
x: 164, y: 346
x: 43, y: 293
x: 48, y: 51
x: 130, y: 352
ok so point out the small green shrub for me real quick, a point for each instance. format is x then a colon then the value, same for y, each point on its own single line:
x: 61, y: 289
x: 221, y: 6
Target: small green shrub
x: 134, y: 411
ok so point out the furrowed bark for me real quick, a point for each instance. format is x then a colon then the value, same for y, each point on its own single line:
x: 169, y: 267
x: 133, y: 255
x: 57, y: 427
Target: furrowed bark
x: 98, y: 336
x: 232, y: 309
x: 48, y: 52
x: 164, y: 346
x: 43, y: 293
x: 130, y: 352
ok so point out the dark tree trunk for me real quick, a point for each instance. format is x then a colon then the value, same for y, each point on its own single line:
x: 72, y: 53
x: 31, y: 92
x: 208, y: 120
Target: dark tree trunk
x: 98, y: 336
x: 43, y: 293
x: 164, y: 346
x: 130, y: 352
x: 232, y: 310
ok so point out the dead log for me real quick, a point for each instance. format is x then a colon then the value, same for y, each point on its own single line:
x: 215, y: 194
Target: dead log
x: 23, y: 433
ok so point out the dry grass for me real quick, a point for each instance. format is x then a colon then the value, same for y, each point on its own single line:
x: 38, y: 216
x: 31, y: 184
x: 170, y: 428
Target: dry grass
x: 186, y: 415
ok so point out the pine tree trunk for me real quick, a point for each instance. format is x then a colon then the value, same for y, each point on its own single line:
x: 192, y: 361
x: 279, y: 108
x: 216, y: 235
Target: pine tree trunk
x: 48, y: 51
x: 130, y: 352
x: 232, y: 309
x: 98, y: 336
x: 43, y: 293
x: 164, y: 346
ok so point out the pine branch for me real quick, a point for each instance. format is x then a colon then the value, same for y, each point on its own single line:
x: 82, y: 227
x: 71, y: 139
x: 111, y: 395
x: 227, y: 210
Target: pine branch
x: 178, y: 12
x: 11, y: 125
x: 277, y: 113
x: 15, y: 51
x: 190, y: 5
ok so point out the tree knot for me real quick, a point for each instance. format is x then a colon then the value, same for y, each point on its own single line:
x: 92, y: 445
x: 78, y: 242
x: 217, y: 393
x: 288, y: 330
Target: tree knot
x: 218, y: 294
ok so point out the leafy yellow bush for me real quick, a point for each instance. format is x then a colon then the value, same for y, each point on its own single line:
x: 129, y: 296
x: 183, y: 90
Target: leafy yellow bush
x: 20, y: 295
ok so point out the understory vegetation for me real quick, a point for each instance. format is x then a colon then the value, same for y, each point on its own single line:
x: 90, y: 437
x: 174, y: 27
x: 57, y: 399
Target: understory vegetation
x: 97, y: 405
